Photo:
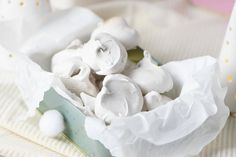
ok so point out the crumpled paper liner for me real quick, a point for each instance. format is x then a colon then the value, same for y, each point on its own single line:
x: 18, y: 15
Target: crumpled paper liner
x: 180, y: 128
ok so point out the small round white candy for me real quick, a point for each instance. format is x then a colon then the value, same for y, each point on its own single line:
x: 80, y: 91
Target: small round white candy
x: 51, y: 123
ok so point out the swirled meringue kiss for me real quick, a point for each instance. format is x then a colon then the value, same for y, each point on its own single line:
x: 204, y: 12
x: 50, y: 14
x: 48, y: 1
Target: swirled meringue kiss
x: 151, y: 77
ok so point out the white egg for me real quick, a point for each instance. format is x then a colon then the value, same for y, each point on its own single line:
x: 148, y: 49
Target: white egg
x: 51, y: 123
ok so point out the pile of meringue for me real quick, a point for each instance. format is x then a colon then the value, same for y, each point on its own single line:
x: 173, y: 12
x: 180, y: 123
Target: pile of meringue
x: 108, y: 83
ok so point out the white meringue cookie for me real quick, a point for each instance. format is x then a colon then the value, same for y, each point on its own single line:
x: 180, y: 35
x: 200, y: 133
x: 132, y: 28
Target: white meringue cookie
x: 104, y: 54
x: 75, y: 74
x: 151, y: 77
x: 118, y: 28
x: 119, y: 97
x: 153, y: 99
x: 51, y: 123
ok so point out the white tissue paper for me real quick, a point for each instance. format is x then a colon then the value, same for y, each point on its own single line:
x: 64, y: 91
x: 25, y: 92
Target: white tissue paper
x: 33, y: 82
x: 44, y: 33
x: 179, y: 128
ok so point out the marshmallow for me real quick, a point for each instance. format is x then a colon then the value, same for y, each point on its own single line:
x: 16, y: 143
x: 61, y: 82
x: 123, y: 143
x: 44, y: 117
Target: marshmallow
x: 153, y: 100
x: 119, y: 97
x: 105, y: 55
x: 51, y: 123
x: 151, y: 77
x: 118, y: 28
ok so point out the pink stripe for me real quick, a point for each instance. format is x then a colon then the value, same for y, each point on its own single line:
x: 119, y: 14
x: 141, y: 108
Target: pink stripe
x: 222, y: 6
